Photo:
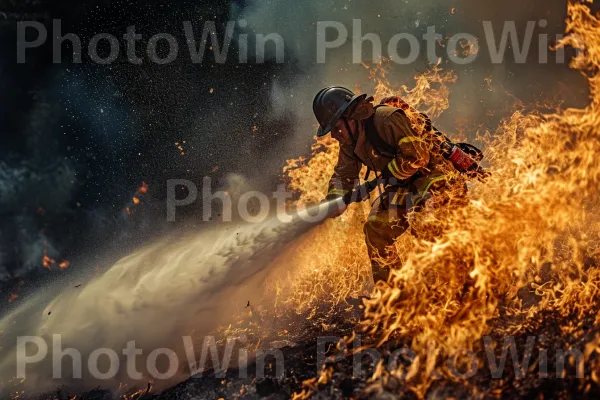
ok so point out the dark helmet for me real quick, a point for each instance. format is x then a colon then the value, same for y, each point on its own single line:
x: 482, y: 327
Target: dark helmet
x: 329, y: 105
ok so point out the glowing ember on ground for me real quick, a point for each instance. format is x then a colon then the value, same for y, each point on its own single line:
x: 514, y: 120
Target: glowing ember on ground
x: 47, y: 262
x: 143, y: 188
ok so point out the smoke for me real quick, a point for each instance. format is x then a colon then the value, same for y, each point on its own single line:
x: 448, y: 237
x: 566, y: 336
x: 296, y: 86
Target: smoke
x: 153, y: 297
x: 474, y: 102
x: 29, y: 187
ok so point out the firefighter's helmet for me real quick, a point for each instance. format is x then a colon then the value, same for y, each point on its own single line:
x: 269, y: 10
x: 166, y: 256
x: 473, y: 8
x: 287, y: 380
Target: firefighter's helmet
x: 330, y: 104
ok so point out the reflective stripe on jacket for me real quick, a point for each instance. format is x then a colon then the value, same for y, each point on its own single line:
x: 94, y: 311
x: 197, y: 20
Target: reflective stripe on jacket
x: 415, y: 152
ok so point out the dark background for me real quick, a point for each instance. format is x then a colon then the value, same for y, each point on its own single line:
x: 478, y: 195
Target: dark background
x: 78, y: 140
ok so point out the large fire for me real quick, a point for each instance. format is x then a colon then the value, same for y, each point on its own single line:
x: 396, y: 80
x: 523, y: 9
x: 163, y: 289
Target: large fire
x: 342, y: 268
x: 533, y: 225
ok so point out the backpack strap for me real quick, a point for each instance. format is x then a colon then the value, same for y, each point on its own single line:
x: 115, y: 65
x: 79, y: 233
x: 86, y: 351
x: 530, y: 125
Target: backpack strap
x: 382, y: 147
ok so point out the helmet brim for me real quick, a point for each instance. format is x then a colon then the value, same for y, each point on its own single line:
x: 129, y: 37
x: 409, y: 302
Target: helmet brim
x: 322, y: 131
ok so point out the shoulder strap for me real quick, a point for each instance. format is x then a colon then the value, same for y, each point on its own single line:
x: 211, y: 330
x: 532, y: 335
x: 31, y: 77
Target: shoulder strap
x: 381, y: 146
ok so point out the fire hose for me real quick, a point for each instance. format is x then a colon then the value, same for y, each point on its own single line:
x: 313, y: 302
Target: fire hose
x: 361, y: 192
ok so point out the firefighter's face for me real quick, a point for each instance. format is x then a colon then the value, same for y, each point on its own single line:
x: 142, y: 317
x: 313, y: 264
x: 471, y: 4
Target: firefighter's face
x: 341, y: 133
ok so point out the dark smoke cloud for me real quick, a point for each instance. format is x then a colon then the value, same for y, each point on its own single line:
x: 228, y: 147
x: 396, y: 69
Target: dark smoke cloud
x: 471, y: 100
x: 78, y: 139
x: 29, y: 186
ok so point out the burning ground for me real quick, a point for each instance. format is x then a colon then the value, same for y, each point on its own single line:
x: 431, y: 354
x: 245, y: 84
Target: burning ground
x: 518, y: 260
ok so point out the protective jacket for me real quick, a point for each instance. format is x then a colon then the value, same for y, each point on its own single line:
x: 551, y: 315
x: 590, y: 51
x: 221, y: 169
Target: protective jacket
x: 415, y: 153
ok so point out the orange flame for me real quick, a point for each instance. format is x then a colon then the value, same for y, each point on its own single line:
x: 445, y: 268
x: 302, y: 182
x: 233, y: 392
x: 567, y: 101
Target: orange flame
x: 143, y: 188
x: 534, y: 223
x: 47, y: 262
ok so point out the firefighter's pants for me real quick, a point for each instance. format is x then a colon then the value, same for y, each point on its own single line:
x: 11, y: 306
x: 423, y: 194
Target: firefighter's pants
x: 388, y: 217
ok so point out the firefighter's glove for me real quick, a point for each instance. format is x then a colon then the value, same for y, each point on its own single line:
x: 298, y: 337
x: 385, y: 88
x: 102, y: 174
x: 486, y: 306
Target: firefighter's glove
x: 361, y: 192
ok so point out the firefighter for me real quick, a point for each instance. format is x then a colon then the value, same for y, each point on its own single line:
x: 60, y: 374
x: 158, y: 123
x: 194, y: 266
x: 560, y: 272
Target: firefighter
x: 381, y: 138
